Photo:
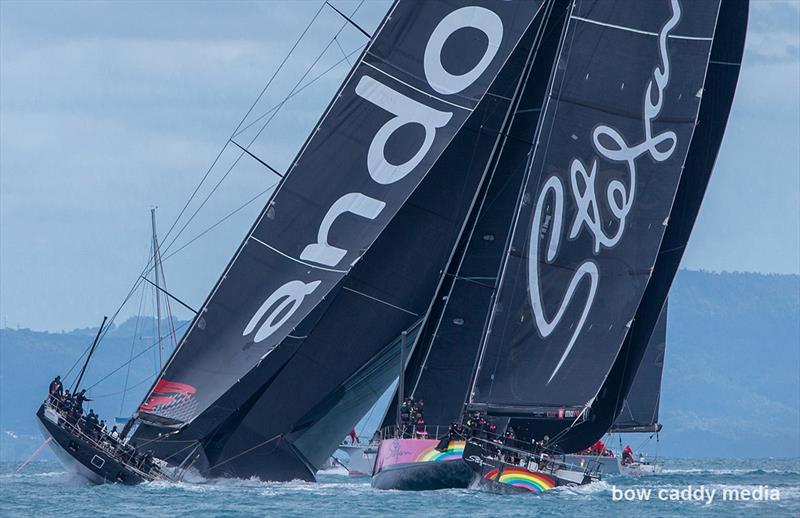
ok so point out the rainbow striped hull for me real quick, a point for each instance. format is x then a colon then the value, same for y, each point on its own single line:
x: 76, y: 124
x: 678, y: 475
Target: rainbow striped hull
x: 492, y: 474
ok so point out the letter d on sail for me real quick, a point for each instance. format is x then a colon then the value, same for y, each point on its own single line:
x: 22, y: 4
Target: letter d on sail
x: 284, y: 302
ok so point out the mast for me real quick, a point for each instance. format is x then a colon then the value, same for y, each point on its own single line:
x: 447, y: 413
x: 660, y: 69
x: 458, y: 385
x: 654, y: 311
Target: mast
x: 89, y: 356
x: 156, y: 269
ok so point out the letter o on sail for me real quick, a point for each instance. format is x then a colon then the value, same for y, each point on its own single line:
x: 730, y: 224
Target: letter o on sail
x: 284, y: 302
x: 479, y: 18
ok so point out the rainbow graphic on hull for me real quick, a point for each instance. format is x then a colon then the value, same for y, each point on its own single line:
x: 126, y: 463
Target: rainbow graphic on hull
x: 522, y: 478
x: 454, y: 451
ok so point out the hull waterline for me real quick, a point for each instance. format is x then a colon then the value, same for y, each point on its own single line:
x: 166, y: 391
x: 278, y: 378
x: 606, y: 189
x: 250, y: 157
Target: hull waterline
x: 80, y: 456
x: 417, y: 465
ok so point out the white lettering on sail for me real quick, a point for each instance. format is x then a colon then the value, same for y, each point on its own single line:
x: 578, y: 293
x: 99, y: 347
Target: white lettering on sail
x: 360, y: 204
x: 479, y: 18
x: 608, y: 143
x: 406, y: 111
x: 287, y: 299
x: 284, y: 302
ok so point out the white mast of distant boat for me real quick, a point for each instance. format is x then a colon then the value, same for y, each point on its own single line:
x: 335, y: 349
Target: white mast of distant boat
x: 156, y: 268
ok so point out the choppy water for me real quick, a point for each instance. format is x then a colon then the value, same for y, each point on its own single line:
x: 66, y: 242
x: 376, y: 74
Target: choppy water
x: 45, y: 489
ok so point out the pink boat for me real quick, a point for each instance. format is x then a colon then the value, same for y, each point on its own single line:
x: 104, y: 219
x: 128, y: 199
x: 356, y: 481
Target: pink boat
x: 417, y: 465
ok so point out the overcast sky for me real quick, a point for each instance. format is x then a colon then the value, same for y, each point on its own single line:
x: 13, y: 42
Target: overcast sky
x: 108, y: 109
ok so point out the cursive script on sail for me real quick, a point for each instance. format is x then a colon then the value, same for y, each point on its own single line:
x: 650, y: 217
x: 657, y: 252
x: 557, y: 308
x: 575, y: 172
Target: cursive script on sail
x: 611, y: 145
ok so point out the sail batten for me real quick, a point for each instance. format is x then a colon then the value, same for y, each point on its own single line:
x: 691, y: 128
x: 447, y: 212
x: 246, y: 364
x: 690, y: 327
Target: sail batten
x: 601, y: 184
x: 422, y: 75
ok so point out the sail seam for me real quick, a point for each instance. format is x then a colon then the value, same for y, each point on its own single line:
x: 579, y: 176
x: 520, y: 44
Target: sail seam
x: 380, y: 300
x: 729, y: 63
x: 639, y: 31
x: 295, y: 259
x: 423, y: 92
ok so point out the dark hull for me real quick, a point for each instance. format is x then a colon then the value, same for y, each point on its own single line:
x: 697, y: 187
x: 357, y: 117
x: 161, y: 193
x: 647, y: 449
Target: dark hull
x: 424, y: 476
x: 494, y: 475
x: 83, y: 458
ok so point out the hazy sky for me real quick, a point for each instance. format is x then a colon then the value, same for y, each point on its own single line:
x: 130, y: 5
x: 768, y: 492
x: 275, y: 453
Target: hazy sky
x: 108, y: 109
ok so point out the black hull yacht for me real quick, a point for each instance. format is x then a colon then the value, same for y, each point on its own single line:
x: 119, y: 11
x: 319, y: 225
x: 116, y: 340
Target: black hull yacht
x: 98, y: 459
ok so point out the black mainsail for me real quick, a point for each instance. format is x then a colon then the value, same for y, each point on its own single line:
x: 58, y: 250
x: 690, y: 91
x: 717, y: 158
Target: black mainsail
x: 324, y: 284
x: 622, y: 109
x: 717, y: 98
x: 440, y: 367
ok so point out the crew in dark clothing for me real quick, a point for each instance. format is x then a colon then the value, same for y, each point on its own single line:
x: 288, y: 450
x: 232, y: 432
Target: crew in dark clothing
x: 80, y: 397
x: 147, y: 461
x: 56, y: 388
x: 455, y: 431
x: 405, y: 411
x: 90, y: 428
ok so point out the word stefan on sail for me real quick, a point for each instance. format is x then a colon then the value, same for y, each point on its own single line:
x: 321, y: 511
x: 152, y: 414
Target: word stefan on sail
x: 610, y: 144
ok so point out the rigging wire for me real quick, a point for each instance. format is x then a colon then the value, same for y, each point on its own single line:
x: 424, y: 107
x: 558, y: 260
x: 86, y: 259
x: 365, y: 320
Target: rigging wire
x: 124, y: 364
x: 244, y: 118
x: 147, y: 268
x: 225, y: 218
x: 133, y: 346
x: 124, y: 391
x: 298, y: 87
x: 263, y: 127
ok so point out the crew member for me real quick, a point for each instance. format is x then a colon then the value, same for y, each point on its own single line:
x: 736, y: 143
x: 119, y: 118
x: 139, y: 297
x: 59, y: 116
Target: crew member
x: 510, y: 435
x: 353, y: 437
x: 598, y: 448
x: 80, y: 397
x: 627, y: 455
x: 56, y: 388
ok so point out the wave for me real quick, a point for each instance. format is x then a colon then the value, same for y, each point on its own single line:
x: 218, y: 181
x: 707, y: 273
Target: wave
x: 742, y: 471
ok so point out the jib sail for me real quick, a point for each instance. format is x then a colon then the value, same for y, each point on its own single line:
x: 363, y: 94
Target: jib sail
x: 718, y: 93
x: 422, y: 75
x: 440, y: 368
x: 639, y: 411
x: 622, y: 108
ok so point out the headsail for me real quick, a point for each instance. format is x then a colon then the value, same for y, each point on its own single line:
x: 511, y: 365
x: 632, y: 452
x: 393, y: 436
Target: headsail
x: 422, y: 75
x: 624, y: 100
x: 718, y: 93
x: 440, y: 369
x: 639, y: 412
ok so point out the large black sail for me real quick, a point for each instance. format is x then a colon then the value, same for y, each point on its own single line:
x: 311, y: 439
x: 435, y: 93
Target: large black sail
x: 639, y: 412
x: 622, y: 108
x: 340, y: 350
x: 422, y: 75
x: 440, y: 368
x: 718, y: 93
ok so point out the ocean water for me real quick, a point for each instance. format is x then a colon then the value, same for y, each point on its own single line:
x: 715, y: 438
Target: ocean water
x: 45, y: 489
